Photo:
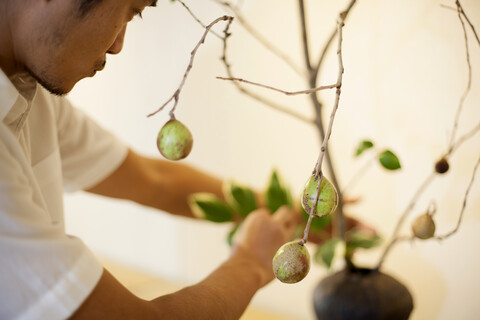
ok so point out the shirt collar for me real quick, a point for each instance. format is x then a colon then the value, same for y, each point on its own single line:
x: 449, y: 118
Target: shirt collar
x: 19, y: 86
x: 8, y: 94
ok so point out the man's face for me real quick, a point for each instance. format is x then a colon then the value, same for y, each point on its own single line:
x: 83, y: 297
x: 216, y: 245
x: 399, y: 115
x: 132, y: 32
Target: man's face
x: 68, y: 47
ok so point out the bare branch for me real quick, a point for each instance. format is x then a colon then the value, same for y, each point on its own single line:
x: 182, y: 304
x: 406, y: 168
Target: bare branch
x: 337, y: 95
x: 260, y: 38
x: 318, y: 167
x: 453, y: 145
x: 197, y: 19
x: 460, y: 8
x: 463, y: 139
x: 303, y: 23
x: 339, y: 221
x: 464, y: 205
x: 273, y: 105
x: 420, y: 191
x: 469, y: 79
x: 176, y: 94
x: 404, y: 215
x: 316, y: 68
x: 253, y: 95
x: 360, y: 172
x: 288, y: 93
x: 402, y: 239
x: 448, y: 7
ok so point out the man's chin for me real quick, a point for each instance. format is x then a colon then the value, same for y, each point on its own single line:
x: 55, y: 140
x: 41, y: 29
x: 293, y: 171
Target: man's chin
x: 55, y: 89
x: 58, y: 91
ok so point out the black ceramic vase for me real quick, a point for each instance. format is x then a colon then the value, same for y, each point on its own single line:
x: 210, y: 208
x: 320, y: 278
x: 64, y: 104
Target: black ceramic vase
x: 354, y: 294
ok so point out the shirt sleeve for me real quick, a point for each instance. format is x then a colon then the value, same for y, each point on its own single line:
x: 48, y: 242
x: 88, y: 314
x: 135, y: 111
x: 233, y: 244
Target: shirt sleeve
x: 89, y: 153
x: 44, y: 273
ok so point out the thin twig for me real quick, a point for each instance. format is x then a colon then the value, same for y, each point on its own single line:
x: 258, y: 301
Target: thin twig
x: 460, y: 217
x: 339, y: 221
x: 306, y: 50
x: 401, y: 239
x: 317, y: 107
x: 453, y: 145
x: 404, y: 215
x: 197, y: 19
x: 448, y: 7
x: 312, y: 82
x: 261, y: 39
x: 456, y: 9
x: 420, y: 191
x: 469, y: 79
x: 273, y: 105
x: 288, y: 93
x: 360, y: 172
x: 337, y: 95
x: 459, y: 7
x: 316, y: 67
x: 253, y: 95
x: 176, y: 94
x: 463, y: 139
x: 318, y: 166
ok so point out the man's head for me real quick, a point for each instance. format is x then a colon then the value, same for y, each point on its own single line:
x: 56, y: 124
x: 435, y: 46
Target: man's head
x: 63, y: 41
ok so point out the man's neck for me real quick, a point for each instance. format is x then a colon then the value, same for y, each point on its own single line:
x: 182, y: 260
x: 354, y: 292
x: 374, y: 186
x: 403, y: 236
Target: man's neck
x: 7, y: 58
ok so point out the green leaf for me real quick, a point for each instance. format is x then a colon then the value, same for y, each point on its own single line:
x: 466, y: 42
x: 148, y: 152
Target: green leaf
x: 362, y: 239
x: 326, y: 252
x: 277, y: 194
x: 364, y: 145
x: 241, y: 199
x: 210, y: 207
x: 232, y: 233
x: 389, y: 160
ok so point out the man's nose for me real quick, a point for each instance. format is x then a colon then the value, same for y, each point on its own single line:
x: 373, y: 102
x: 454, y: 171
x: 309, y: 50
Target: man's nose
x: 117, y: 45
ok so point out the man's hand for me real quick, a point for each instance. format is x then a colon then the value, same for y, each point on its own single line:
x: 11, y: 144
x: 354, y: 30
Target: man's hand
x: 261, y: 235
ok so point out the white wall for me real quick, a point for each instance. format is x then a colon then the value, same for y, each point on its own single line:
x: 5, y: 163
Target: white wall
x: 405, y: 70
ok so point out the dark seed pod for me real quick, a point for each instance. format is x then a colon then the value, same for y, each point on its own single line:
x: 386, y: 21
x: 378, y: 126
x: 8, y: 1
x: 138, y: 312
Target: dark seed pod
x: 442, y: 166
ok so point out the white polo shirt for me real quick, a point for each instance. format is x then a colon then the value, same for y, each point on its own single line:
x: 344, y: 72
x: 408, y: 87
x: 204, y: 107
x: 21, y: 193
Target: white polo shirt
x: 46, y: 146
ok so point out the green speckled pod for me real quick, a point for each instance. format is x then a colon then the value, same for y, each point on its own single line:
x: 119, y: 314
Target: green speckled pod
x: 174, y: 140
x: 327, y: 200
x: 291, y: 262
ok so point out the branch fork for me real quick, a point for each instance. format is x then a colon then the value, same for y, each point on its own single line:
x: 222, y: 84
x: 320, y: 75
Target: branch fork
x: 176, y: 94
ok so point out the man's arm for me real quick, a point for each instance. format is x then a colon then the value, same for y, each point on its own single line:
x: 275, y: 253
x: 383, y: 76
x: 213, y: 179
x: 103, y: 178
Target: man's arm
x: 223, y: 295
x: 157, y: 183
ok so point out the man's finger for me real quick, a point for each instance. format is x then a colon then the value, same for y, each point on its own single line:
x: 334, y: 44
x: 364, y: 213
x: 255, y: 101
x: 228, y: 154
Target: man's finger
x: 285, y: 216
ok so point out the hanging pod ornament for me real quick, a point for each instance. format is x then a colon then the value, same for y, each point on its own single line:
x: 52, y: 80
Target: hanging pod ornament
x: 174, y: 141
x: 423, y: 227
x: 291, y: 262
x: 327, y: 199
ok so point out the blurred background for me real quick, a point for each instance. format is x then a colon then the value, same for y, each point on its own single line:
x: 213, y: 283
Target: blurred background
x: 405, y: 71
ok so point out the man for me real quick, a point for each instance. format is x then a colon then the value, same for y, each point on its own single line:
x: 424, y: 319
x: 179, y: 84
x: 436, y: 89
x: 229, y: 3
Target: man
x: 46, y: 145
